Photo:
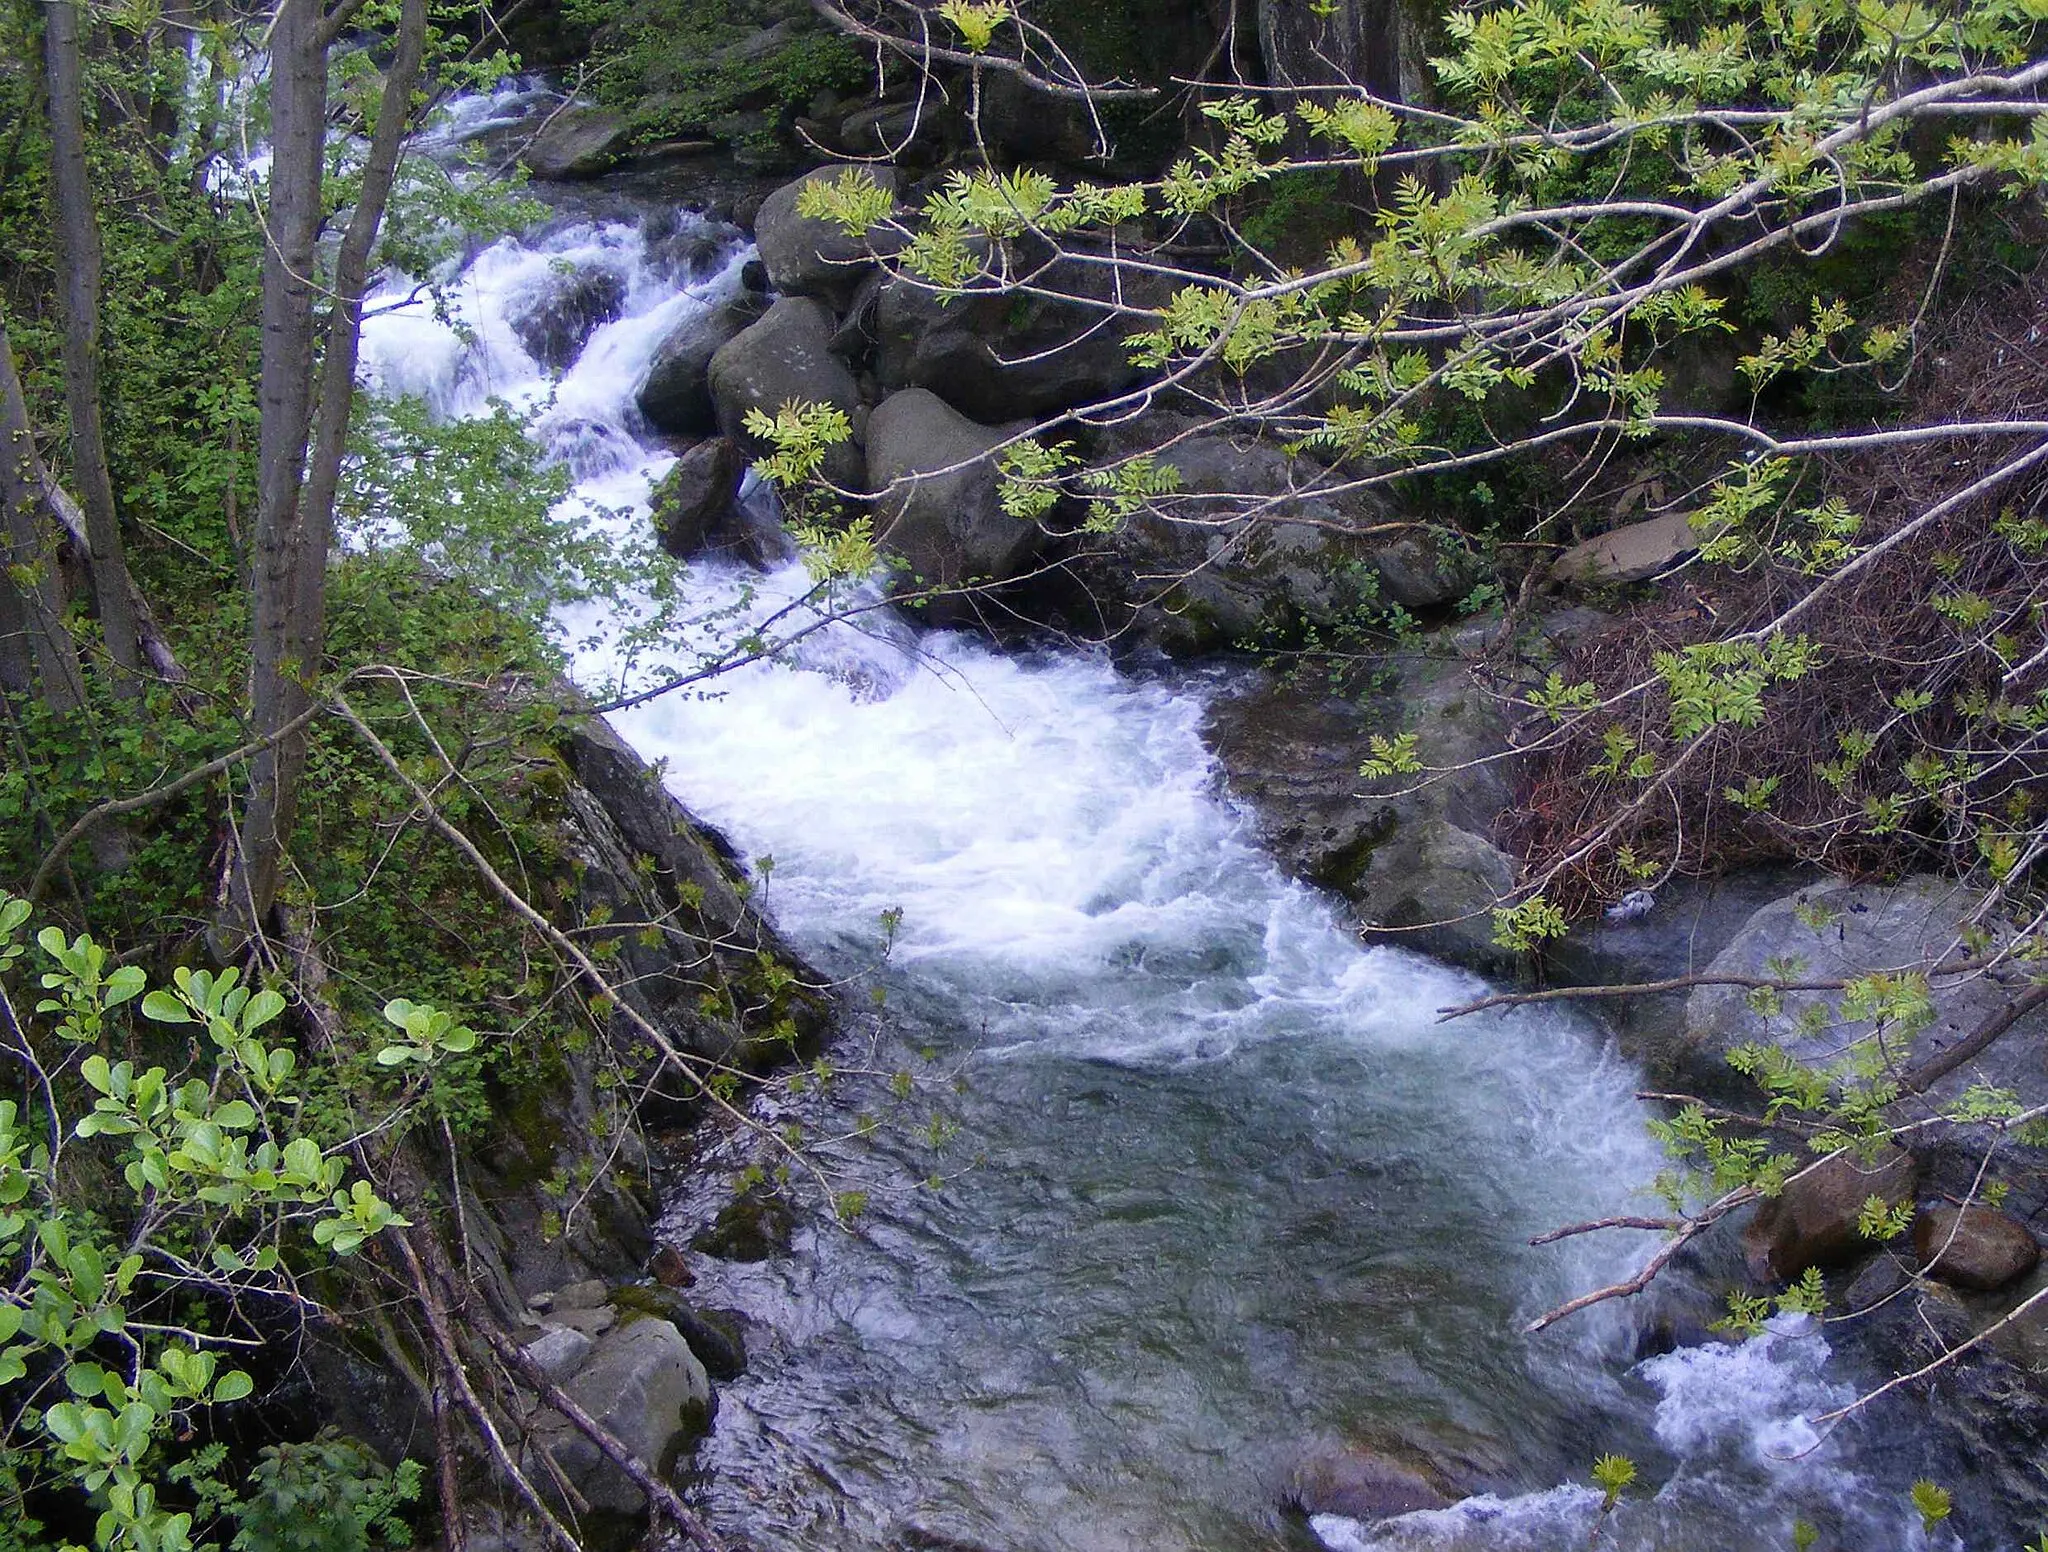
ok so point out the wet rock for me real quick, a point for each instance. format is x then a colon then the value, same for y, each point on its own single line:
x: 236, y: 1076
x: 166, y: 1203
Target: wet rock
x: 1974, y: 1247
x: 695, y: 498
x: 1812, y: 1222
x: 805, y: 256
x: 754, y: 1227
x: 643, y: 1385
x: 786, y: 356
x: 670, y: 1268
x: 1633, y: 553
x: 1418, y: 866
x: 675, y: 396
x: 577, y: 143
x: 556, y: 321
x: 592, y: 1323
x: 945, y: 524
x: 1359, y: 1485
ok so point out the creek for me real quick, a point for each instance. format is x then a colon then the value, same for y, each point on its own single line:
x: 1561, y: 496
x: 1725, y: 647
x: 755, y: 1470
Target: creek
x: 1215, y: 1189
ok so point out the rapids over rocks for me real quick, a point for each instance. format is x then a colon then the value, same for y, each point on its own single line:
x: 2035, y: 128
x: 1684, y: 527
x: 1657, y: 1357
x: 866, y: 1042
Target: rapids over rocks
x: 1220, y: 1194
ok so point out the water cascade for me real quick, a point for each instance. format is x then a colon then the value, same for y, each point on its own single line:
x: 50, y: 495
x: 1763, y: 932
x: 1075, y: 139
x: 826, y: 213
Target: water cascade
x: 1219, y: 1191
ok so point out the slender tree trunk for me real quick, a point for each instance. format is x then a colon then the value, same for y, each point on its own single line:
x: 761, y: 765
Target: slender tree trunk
x: 303, y: 436
x: 34, y: 645
x: 279, y: 677
x: 78, y: 263
x: 338, y: 368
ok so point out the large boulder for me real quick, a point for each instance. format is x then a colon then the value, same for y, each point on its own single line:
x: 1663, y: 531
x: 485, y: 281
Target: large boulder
x: 1974, y: 1247
x: 577, y: 143
x: 675, y: 396
x: 1252, y: 544
x: 996, y: 354
x: 785, y: 357
x: 1835, y: 930
x: 1813, y: 1221
x: 644, y: 1386
x: 556, y: 319
x: 806, y: 256
x: 934, y: 480
x: 1415, y: 859
x: 693, y: 499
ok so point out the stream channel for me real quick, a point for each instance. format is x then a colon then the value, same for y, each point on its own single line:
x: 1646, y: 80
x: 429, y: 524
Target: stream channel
x: 1221, y: 1192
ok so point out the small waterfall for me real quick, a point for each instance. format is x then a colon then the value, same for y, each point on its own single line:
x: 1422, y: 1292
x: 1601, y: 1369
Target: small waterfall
x: 1221, y: 1187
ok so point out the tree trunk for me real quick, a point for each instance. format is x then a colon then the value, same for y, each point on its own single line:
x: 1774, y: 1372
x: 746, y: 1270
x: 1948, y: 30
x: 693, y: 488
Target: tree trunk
x: 279, y: 679
x: 338, y: 368
x: 297, y: 484
x: 35, y: 648
x: 78, y: 263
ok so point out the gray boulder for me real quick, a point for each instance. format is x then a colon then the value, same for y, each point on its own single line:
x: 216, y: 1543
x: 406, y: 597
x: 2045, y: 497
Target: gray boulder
x: 557, y: 319
x: 1416, y: 860
x: 695, y: 498
x: 806, y: 256
x: 1834, y: 929
x: 785, y: 357
x: 676, y: 393
x: 944, y: 523
x: 577, y: 143
x: 997, y: 354
x: 643, y: 1385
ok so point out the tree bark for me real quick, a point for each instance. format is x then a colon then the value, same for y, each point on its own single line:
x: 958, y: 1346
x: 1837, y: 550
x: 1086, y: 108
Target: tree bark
x: 303, y: 438
x: 344, y: 323
x: 35, y: 647
x: 279, y: 679
x: 78, y: 264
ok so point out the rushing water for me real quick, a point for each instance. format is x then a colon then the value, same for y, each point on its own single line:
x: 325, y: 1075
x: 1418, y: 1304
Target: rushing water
x: 1219, y: 1190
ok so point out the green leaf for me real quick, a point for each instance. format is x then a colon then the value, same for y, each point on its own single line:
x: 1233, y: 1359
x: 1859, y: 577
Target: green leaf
x: 233, y: 1386
x: 165, y: 1009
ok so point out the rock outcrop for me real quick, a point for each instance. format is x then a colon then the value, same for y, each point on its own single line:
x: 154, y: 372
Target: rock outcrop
x: 786, y: 357
x: 807, y: 256
x: 934, y: 480
x: 1416, y: 859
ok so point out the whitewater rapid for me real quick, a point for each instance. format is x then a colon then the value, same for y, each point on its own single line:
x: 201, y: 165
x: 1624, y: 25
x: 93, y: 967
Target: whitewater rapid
x: 1227, y: 1190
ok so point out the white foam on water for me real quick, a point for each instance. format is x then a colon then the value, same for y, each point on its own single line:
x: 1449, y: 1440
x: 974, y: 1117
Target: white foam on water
x: 1065, y: 867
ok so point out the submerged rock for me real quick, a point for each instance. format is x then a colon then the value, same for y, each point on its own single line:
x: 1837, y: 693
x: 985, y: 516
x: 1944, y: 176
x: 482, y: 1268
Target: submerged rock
x: 1359, y: 1485
x: 556, y: 321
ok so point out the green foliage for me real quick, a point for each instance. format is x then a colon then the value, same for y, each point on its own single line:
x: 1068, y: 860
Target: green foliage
x: 1932, y: 1502
x: 686, y: 68
x: 1613, y: 1475
x: 326, y: 1495
x: 224, y: 1194
x: 1528, y: 925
